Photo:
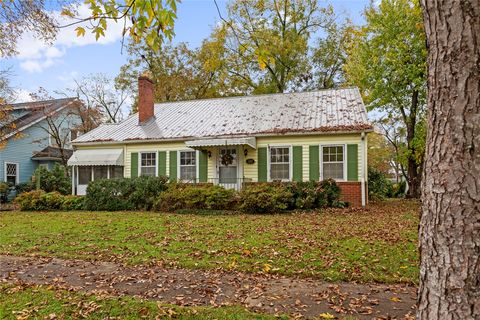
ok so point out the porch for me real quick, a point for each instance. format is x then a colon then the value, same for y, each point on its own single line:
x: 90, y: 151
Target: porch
x: 91, y: 165
x: 226, y: 163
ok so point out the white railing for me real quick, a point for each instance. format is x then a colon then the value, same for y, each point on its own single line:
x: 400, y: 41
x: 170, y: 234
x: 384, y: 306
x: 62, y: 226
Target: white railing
x: 230, y: 183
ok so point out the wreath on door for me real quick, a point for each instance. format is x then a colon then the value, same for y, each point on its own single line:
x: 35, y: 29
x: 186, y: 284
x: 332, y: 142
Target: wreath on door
x: 226, y: 159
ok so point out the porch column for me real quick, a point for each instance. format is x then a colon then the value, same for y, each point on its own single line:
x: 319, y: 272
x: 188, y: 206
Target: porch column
x: 73, y: 180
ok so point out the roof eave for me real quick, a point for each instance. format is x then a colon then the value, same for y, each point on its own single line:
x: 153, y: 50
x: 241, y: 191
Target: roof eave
x: 270, y: 134
x: 23, y: 128
x: 45, y: 158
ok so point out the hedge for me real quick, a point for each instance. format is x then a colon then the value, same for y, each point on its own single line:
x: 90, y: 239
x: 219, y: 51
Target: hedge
x: 39, y: 200
x: 124, y: 194
x: 151, y: 193
x: 180, y: 196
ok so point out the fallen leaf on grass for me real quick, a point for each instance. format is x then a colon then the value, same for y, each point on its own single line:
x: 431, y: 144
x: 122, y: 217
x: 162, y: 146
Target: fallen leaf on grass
x: 266, y: 267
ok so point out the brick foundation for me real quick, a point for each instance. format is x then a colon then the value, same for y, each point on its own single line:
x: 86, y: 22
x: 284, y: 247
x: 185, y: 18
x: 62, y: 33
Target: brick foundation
x: 351, y: 192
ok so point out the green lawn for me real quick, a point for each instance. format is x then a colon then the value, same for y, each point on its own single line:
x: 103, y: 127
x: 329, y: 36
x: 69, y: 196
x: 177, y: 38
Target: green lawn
x: 378, y: 244
x: 36, y: 302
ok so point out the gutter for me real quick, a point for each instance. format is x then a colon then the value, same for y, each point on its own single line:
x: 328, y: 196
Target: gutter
x: 141, y: 141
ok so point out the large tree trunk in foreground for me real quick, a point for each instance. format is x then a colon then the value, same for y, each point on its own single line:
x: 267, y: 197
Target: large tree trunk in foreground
x: 450, y: 223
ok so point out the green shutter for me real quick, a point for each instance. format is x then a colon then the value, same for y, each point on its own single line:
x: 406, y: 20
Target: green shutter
x: 262, y: 165
x: 162, y: 163
x: 173, y: 165
x: 134, y: 165
x: 314, y: 163
x: 297, y: 163
x: 352, y: 162
x: 202, y: 166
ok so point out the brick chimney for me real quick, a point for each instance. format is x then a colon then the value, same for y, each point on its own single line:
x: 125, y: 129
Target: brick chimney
x: 145, y: 99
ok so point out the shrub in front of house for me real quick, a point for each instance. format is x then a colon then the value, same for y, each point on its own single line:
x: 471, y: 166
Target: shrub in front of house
x: 275, y: 197
x: 25, y: 187
x: 71, y: 203
x: 307, y: 195
x: 56, y: 179
x: 265, y: 198
x: 29, y: 201
x: 39, y: 200
x: 181, y: 196
x: 4, y: 191
x: 331, y: 193
x: 124, y: 194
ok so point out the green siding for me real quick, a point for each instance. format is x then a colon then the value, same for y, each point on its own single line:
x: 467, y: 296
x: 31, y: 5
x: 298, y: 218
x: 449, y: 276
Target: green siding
x: 297, y: 163
x: 202, y: 166
x: 262, y: 165
x: 352, y: 162
x: 173, y: 165
x: 162, y: 163
x: 134, y: 165
x: 314, y: 163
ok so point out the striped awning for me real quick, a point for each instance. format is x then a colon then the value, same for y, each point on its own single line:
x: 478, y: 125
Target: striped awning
x: 97, y: 157
x: 202, y: 143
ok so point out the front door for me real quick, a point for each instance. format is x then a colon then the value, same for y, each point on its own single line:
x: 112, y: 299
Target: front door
x: 228, y: 168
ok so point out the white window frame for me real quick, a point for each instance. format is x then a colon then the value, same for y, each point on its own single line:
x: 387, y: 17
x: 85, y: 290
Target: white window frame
x: 140, y: 162
x: 344, y: 146
x: 290, y: 161
x: 17, y: 173
x: 179, y: 165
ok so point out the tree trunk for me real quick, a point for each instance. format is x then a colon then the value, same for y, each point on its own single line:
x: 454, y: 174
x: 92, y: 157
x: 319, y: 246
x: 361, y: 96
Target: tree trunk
x: 414, y: 178
x: 450, y: 223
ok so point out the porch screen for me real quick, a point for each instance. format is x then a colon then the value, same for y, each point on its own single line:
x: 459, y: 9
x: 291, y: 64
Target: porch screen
x: 84, y: 175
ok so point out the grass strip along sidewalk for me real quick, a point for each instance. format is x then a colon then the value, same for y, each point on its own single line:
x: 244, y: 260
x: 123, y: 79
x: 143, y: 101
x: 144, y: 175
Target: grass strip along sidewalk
x: 377, y: 244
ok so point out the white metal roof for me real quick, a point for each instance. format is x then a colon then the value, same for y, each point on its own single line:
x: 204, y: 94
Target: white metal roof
x: 97, y: 157
x: 272, y: 114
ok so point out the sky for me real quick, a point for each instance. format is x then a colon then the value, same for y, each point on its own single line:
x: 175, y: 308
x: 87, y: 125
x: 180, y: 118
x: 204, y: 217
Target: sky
x: 54, y: 67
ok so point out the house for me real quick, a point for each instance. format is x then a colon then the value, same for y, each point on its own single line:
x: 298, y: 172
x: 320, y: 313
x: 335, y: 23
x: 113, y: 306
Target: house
x: 232, y: 141
x: 39, y: 134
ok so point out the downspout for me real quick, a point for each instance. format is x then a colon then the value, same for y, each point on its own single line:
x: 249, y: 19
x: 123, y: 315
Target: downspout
x: 364, y: 166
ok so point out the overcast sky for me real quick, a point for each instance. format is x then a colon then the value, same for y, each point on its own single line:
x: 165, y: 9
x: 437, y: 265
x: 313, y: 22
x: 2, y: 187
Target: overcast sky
x: 54, y: 67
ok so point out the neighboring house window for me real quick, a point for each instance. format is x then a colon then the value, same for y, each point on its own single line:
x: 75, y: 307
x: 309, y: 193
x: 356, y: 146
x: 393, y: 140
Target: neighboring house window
x: 279, y: 163
x: 188, y: 166
x: 148, y: 164
x: 333, y: 162
x: 43, y: 165
x: 11, y: 173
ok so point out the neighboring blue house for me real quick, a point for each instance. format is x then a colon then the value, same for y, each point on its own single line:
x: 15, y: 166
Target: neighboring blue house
x: 40, y: 136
